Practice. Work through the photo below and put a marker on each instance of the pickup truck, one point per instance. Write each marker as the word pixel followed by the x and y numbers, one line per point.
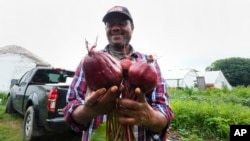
pixel 40 96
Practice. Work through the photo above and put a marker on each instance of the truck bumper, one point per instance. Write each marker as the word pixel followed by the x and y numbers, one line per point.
pixel 58 124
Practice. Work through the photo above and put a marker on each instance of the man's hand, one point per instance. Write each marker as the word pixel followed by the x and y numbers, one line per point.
pixel 96 103
pixel 139 112
pixel 101 101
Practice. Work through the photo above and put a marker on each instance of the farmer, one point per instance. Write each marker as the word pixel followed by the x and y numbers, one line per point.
pixel 86 109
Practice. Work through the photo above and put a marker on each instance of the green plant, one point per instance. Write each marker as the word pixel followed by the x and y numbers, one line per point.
pixel 3 97
pixel 209 114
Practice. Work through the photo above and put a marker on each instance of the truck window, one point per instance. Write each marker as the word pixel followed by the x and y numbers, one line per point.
pixel 52 76
pixel 24 78
pixel 41 77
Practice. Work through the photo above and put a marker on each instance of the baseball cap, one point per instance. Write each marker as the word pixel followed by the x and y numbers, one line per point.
pixel 117 10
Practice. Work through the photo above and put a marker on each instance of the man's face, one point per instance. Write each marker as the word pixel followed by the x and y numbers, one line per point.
pixel 119 31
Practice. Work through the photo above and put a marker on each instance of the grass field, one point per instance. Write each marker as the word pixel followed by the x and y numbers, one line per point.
pixel 10 126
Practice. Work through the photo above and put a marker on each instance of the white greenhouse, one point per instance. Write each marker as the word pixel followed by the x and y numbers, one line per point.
pixel 193 79
pixel 215 79
pixel 14 62
pixel 181 78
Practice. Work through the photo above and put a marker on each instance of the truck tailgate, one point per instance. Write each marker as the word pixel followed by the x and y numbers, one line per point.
pixel 59 104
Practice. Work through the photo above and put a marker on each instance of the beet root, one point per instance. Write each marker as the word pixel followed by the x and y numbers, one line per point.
pixel 143 75
pixel 101 70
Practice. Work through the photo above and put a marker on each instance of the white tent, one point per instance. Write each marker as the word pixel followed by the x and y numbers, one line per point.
pixel 215 79
pixel 14 62
pixel 181 78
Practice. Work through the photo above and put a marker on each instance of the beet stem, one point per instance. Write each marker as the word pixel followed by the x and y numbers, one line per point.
pixel 90 50
pixel 117 133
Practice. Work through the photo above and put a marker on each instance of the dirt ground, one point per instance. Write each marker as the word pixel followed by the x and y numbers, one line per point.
pixel 174 136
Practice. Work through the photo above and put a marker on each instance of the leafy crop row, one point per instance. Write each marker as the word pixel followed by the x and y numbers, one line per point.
pixel 209 113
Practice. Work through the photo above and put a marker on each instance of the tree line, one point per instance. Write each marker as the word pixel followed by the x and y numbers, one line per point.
pixel 235 69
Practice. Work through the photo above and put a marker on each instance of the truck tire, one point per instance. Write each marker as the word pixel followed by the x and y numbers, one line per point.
pixel 29 125
pixel 9 107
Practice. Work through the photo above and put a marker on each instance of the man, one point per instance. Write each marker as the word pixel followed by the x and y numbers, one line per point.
pixel 86 109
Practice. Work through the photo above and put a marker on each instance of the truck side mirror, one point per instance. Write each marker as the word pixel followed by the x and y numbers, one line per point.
pixel 14 82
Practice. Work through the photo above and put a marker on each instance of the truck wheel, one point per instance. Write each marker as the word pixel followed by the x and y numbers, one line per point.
pixel 29 125
pixel 9 107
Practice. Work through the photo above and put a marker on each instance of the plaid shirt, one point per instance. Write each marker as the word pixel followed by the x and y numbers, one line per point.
pixel 158 100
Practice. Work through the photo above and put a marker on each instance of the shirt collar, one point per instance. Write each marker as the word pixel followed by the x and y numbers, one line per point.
pixel 120 55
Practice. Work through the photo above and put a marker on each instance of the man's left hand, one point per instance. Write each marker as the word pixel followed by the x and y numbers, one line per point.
pixel 135 112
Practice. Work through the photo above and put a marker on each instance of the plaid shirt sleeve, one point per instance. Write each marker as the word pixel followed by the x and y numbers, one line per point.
pixel 75 97
pixel 160 98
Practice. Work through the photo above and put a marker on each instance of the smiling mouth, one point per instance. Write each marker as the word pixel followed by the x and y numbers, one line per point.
pixel 116 37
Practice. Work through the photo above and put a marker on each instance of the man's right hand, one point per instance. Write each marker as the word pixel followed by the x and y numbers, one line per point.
pixel 96 103
pixel 101 101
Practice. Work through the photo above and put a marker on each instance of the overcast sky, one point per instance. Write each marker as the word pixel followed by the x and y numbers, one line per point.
pixel 181 33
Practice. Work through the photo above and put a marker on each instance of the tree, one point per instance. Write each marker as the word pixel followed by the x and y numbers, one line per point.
pixel 235 69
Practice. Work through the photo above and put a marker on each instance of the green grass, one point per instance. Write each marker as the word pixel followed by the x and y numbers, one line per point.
pixel 10 124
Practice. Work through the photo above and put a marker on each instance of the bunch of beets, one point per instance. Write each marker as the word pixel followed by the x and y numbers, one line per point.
pixel 101 70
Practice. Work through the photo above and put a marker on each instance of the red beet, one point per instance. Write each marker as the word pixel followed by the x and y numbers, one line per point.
pixel 143 75
pixel 126 63
pixel 101 70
